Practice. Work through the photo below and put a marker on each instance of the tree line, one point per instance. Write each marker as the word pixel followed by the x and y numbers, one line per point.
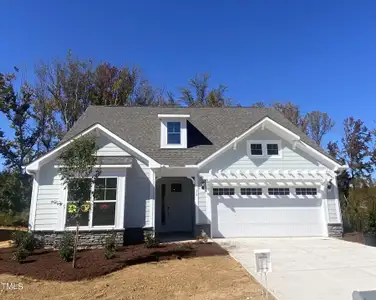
pixel 40 113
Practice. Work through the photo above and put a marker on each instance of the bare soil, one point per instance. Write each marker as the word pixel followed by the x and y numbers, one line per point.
pixel 356 237
pixel 182 271
pixel 47 264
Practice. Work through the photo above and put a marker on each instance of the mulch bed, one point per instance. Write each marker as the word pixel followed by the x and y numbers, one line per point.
pixel 6 232
pixel 356 237
pixel 47 264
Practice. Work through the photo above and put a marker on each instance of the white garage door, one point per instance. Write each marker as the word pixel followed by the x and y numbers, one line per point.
pixel 267 215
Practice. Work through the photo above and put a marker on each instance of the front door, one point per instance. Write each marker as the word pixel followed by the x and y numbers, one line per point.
pixel 176 206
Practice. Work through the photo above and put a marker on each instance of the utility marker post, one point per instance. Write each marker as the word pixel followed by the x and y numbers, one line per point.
pixel 263 266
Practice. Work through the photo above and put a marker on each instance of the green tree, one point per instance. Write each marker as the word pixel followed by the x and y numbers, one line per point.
pixel 78 173
pixel 10 193
pixel 18 148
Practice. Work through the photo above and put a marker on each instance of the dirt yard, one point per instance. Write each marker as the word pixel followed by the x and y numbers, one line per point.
pixel 208 274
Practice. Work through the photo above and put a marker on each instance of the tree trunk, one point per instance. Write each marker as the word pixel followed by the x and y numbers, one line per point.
pixel 75 245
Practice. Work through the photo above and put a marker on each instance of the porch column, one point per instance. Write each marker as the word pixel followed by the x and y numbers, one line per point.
pixel 151 202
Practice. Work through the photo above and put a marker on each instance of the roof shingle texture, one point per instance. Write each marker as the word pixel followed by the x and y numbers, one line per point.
pixel 209 129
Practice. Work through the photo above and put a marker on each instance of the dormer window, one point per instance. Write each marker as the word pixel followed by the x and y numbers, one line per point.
pixel 173 133
pixel 173 130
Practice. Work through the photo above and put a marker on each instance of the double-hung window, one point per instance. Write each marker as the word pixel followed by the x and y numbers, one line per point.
pixel 256 149
pixel 104 202
pixel 264 149
pixel 72 198
pixel 173 133
pixel 99 208
pixel 272 149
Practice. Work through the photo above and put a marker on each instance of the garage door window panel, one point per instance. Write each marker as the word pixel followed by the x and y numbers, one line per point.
pixel 306 191
pixel 223 191
pixel 251 191
pixel 279 191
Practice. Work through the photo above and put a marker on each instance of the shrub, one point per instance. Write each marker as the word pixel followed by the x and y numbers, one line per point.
pixel 16 220
pixel 24 239
pixel 150 240
pixel 202 237
pixel 110 246
pixel 66 248
pixel 20 255
pixel 371 224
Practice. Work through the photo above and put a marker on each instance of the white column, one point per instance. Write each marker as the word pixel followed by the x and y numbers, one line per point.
pixel 196 191
pixel 338 206
pixel 122 182
pixel 152 199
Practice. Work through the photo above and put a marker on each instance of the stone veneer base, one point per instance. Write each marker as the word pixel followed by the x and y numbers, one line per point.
pixel 86 239
pixel 335 230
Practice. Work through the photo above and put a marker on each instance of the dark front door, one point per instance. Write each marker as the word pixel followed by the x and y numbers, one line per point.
pixel 176 200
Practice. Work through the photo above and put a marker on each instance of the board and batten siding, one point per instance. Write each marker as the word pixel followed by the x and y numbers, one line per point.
pixel 47 198
pixel 239 159
pixel 203 213
pixel 138 203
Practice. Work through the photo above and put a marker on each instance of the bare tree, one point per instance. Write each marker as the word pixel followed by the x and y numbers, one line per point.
pixel 68 85
pixel 318 124
pixel 199 94
pixel 292 112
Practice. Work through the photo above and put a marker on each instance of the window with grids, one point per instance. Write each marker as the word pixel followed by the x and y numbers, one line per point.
pixel 251 191
pixel 173 133
pixel 223 191
pixel 256 149
pixel 72 209
pixel 279 191
pixel 306 191
pixel 104 202
pixel 99 210
pixel 272 149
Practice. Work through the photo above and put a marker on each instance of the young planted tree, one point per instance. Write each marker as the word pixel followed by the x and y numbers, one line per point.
pixel 78 172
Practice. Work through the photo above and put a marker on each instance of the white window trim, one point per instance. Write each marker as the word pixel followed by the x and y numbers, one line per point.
pixel 183 133
pixel 90 226
pixel 264 144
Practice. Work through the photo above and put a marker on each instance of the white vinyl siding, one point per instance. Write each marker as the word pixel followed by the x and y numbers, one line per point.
pixel 239 158
pixel 135 205
pixel 107 148
pixel 48 199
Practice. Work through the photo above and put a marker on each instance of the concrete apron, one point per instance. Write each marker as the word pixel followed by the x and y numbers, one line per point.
pixel 309 268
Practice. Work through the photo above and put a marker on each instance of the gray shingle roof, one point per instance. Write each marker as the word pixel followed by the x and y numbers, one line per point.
pixel 108 160
pixel 209 129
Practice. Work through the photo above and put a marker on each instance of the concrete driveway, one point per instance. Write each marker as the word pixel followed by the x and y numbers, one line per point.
pixel 310 268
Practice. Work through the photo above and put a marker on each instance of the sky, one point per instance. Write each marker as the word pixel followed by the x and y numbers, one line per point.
pixel 318 54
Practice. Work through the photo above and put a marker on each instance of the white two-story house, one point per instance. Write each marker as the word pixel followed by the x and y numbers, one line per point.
pixel 232 172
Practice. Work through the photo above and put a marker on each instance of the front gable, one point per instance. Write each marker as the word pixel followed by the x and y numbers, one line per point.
pixel 268 131
pixel 239 157
pixel 109 145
